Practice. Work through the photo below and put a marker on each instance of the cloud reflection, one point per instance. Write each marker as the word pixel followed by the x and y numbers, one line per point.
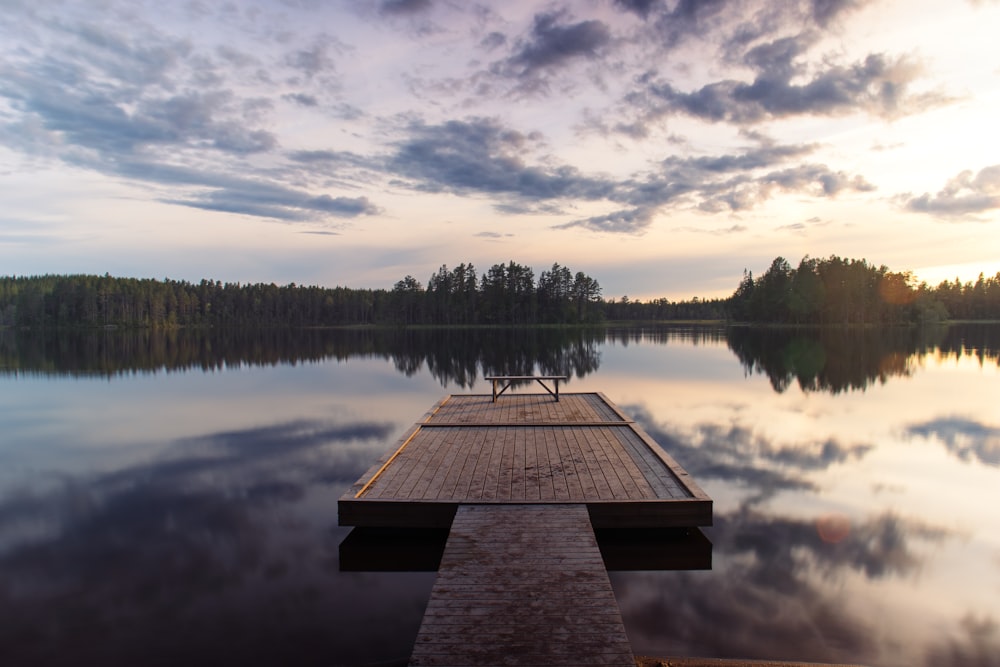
pixel 966 438
pixel 735 454
pixel 977 643
pixel 774 592
pixel 220 552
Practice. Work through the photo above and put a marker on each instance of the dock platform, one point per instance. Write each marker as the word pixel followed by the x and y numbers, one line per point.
pixel 526 449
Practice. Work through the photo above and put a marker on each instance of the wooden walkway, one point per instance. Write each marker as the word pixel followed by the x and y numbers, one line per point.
pixel 522 585
pixel 527 448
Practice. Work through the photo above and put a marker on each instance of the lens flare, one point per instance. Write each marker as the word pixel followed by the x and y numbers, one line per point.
pixel 833 527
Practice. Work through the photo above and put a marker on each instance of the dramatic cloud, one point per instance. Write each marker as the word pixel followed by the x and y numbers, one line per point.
pixel 722 183
pixel 640 7
pixel 732 25
pixel 147 107
pixel 962 197
pixel 552 45
pixel 876 85
pixel 480 155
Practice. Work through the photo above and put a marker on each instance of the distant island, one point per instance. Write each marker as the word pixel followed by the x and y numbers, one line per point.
pixel 830 291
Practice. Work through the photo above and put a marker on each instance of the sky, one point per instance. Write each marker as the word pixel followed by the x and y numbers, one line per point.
pixel 661 147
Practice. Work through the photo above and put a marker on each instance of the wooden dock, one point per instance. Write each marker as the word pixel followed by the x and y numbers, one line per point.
pixel 523 449
pixel 522 482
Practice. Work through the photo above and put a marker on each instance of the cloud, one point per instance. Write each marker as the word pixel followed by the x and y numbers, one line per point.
pixel 553 45
pixel 640 7
pixel 404 7
pixel 965 438
pixel 257 199
pixel 483 156
pixel 345 207
pixel 877 85
pixel 249 196
pixel 773 41
pixel 302 99
pixel 626 221
pixel 143 105
pixel 962 197
pixel 732 25
pixel 480 155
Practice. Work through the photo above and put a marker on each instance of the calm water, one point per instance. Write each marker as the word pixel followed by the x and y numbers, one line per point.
pixel 172 499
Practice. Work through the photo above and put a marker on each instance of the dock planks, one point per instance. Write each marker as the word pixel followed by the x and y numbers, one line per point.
pixel 521 449
pixel 522 585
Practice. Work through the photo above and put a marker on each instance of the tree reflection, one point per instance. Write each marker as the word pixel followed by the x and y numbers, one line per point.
pixel 844 359
pixel 823 359
pixel 452 355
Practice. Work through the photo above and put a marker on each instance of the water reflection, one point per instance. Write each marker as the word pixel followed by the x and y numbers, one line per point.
pixel 190 517
pixel 966 438
pixel 737 455
pixel 207 556
pixel 829 359
pixel 454 356
pixel 843 359
pixel 777 590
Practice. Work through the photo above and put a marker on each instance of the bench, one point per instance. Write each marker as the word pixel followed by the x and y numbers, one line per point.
pixel 540 379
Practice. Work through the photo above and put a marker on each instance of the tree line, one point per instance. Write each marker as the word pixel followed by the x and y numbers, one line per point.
pixel 818 291
pixel 847 291
pixel 505 294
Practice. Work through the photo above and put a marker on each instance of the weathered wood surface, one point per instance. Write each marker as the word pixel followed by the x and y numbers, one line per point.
pixel 522 585
pixel 527 448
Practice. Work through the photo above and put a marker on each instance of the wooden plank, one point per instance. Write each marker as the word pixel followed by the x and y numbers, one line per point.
pixel 455 484
pixel 477 483
pixel 522 585
pixel 660 478
pixel 557 466
pixel 519 464
pixel 621 463
pixel 600 489
pixel 491 485
pixel 429 479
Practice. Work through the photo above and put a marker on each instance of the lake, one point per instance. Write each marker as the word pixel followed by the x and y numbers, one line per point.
pixel 170 498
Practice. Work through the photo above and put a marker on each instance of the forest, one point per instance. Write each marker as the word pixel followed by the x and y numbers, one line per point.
pixel 818 291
